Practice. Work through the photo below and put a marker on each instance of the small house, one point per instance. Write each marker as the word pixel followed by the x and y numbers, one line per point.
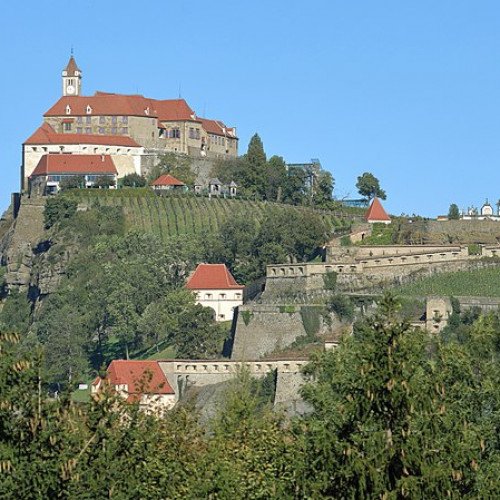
pixel 167 182
pixel 215 287
pixel 52 169
pixel 142 382
pixel 376 213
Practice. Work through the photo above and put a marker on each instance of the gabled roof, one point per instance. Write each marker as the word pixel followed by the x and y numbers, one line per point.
pixel 104 103
pixel 71 67
pixel 75 164
pixel 212 277
pixel 167 180
pixel 376 212
pixel 45 134
pixel 217 127
pixel 141 377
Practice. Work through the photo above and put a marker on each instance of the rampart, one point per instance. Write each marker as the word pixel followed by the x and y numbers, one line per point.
pixel 368 268
pixel 184 374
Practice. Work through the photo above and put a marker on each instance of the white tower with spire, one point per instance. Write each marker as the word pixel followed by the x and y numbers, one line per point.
pixel 71 78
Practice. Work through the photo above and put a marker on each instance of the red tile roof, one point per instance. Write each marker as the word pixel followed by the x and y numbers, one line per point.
pixel 376 212
pixel 75 164
pixel 45 134
pixel 217 127
pixel 141 377
pixel 212 277
pixel 71 67
pixel 167 180
pixel 103 103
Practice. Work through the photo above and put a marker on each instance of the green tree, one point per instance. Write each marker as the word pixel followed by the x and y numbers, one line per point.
pixel 383 423
pixel 133 180
pixel 453 212
pixel 177 165
pixel 58 209
pixel 323 189
pixel 104 181
pixel 276 177
pixel 369 186
pixel 72 182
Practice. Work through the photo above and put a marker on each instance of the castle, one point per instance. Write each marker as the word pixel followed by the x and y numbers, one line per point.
pixel 132 130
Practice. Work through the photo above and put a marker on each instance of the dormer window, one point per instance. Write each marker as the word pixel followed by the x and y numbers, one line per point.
pixel 89 109
pixel 68 109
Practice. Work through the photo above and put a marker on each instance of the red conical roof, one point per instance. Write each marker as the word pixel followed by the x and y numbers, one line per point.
pixel 71 67
pixel 376 212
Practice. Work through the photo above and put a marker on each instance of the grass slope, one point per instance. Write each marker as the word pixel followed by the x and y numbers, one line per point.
pixel 480 282
pixel 177 215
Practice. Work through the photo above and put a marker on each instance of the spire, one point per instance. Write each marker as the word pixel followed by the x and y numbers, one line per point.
pixel 71 67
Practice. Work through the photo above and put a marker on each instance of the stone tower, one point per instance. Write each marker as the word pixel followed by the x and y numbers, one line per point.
pixel 71 78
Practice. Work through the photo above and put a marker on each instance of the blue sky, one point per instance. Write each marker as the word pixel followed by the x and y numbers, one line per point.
pixel 409 90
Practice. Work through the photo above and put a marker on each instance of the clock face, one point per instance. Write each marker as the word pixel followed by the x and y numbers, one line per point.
pixel 70 89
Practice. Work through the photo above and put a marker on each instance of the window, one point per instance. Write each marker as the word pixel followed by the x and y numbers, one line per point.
pixel 102 120
pixel 89 109
pixel 238 295
pixel 197 133
pixel 33 148
pixel 101 130
pixel 125 119
pixel 68 109
pixel 175 133
pixel 124 130
pixel 191 132
pixel 114 130
pixel 67 127
pixel 222 296
pixel 79 120
pixel 88 120
pixel 79 130
pixel 88 130
pixel 208 296
pixel 114 120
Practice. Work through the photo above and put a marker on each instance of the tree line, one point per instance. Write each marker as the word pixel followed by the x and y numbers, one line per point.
pixel 394 413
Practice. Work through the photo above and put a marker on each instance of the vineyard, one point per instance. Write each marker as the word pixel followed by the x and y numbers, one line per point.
pixel 480 282
pixel 176 215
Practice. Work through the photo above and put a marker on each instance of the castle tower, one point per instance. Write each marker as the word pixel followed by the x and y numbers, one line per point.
pixel 71 78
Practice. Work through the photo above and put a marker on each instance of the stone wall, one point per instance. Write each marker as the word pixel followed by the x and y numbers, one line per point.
pixel 183 375
pixel 261 329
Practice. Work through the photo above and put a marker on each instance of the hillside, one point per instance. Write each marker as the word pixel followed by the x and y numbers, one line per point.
pixel 480 282
pixel 177 215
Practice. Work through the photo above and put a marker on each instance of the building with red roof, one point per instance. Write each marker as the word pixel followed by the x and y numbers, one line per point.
pixel 215 287
pixel 160 125
pixel 53 168
pixel 138 381
pixel 376 213
pixel 168 182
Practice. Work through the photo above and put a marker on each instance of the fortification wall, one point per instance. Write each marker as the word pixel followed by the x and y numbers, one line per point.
pixel 261 329
pixel 462 231
pixel 485 303
pixel 185 374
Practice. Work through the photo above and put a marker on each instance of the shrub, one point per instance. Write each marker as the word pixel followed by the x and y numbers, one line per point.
pixel 104 181
pixel 247 316
pixel 330 280
pixel 133 180
pixel 72 182
pixel 311 319
pixel 58 209
pixel 342 306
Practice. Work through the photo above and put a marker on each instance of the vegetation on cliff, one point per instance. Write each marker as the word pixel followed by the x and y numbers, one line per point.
pixel 395 413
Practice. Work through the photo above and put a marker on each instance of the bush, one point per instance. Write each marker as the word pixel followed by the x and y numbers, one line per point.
pixel 133 180
pixel 58 209
pixel 330 280
pixel 342 306
pixel 72 182
pixel 104 181
pixel 311 320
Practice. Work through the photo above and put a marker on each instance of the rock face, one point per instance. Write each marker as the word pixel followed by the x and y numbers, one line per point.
pixel 25 233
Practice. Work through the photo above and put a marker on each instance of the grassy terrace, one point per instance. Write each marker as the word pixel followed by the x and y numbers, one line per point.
pixel 480 282
pixel 175 215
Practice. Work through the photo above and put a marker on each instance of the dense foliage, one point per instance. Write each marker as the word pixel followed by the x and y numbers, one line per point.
pixel 369 186
pixel 395 413
pixel 262 179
